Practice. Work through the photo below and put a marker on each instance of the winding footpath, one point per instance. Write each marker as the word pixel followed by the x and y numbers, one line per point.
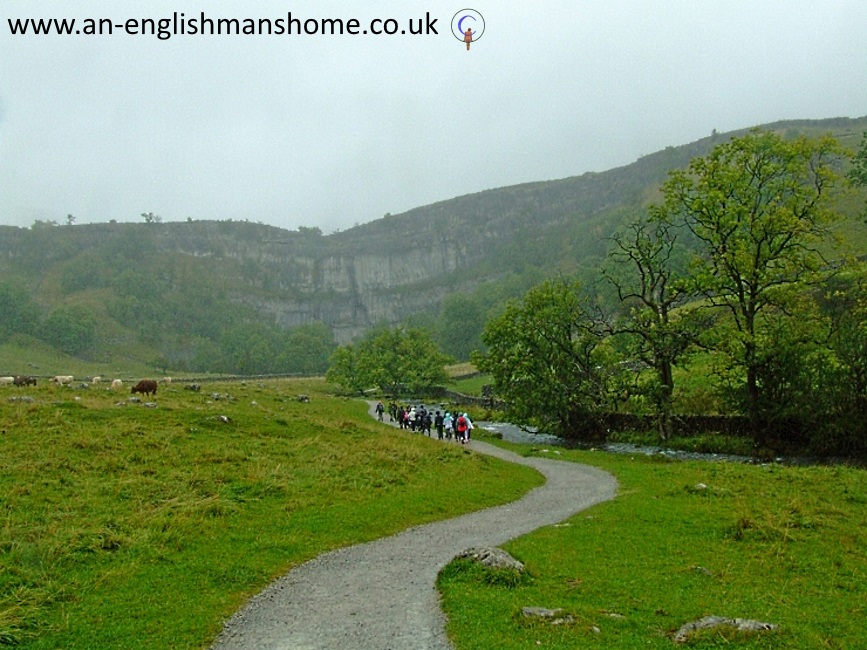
pixel 382 595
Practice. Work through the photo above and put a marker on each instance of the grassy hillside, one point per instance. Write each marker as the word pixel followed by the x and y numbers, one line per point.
pixel 24 355
pixel 165 294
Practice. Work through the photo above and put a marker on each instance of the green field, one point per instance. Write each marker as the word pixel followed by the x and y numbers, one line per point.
pixel 24 355
pixel 126 526
pixel 683 540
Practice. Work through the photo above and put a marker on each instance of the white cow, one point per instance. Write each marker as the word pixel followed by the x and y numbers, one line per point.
pixel 63 380
pixel 6 381
pixel 115 384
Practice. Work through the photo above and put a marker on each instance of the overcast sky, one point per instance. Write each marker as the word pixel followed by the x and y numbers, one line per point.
pixel 330 131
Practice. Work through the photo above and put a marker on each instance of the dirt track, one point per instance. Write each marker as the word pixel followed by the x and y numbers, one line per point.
pixel 382 595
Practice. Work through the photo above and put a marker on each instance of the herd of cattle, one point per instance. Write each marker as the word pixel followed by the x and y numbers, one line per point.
pixel 145 386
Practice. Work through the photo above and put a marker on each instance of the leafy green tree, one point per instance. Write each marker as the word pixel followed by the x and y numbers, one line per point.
pixel 649 272
pixel 858 174
pixel 459 326
pixel 137 302
pixel 790 354
pixel 343 369
pixel 546 359
pixel 423 363
pixel 393 359
pixel 758 207
pixel 247 349
pixel 18 314
pixel 306 349
pixel 206 356
pixel 71 329
pixel 85 271
pixel 841 409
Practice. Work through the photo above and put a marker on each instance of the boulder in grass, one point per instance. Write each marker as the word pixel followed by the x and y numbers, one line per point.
pixel 708 622
pixel 493 557
pixel 552 616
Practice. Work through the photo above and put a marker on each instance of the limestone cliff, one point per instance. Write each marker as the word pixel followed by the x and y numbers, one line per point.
pixel 385 270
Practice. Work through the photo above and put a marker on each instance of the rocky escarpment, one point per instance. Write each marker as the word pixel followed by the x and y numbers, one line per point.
pixel 378 272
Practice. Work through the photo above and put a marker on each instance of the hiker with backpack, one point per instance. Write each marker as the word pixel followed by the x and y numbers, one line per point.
pixel 439 423
pixel 461 431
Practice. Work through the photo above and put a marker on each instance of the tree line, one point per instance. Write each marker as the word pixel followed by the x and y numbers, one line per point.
pixel 734 265
pixel 69 328
pixel 124 293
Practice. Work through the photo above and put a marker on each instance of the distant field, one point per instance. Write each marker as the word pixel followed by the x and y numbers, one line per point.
pixel 470 385
pixel 461 370
pixel 28 356
pixel 126 526
pixel 465 378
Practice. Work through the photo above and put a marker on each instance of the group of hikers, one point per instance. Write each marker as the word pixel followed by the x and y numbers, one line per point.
pixel 449 426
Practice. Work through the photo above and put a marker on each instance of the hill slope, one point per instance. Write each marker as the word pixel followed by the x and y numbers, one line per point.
pixel 164 284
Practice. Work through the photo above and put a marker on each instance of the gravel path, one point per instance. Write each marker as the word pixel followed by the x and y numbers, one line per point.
pixel 382 595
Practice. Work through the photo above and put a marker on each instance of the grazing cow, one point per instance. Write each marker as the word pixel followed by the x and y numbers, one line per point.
pixel 63 380
pixel 95 380
pixel 7 381
pixel 116 383
pixel 167 380
pixel 146 387
pixel 24 380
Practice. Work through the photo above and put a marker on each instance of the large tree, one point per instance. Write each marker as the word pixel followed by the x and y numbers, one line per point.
pixel 343 369
pixel 647 267
pixel 392 359
pixel 71 329
pixel 546 362
pixel 306 349
pixel 758 206
pixel 459 325
pixel 842 402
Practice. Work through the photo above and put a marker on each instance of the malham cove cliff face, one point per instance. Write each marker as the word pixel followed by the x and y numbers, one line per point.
pixel 377 273
pixel 397 266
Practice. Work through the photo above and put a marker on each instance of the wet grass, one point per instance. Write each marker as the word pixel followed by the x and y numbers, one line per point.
pixel 682 540
pixel 125 526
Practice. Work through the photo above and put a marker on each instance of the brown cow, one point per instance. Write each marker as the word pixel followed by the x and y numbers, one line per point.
pixel 145 386
pixel 24 380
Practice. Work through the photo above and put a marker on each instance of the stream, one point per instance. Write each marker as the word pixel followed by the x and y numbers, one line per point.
pixel 516 434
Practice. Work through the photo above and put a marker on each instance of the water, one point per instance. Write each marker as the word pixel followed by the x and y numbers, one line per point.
pixel 516 434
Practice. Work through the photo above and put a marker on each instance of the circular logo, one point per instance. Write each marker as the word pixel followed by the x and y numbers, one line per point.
pixel 468 19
